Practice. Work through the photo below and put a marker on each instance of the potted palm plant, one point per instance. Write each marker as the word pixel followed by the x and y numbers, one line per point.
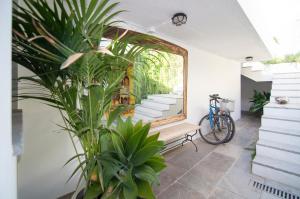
pixel 61 44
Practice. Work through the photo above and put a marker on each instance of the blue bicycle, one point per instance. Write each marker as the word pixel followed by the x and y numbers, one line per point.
pixel 217 126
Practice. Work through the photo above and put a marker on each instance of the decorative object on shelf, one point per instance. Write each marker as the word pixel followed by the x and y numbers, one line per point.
pixel 282 100
pixel 179 19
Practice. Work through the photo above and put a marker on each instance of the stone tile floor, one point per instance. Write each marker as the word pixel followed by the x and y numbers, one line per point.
pixel 216 172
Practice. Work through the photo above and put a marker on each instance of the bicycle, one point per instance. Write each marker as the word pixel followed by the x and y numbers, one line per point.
pixel 217 127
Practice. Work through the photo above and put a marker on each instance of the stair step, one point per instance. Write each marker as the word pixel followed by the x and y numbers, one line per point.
pixel 288 122
pixel 150 114
pixel 162 99
pixel 157 113
pixel 283 92
pixel 286 80
pixel 285 172
pixel 292 99
pixel 280 130
pixel 284 110
pixel 287 75
pixel 152 103
pixel 286 137
pixel 282 151
pixel 287 86
pixel 155 108
pixel 283 106
pixel 172 96
pixel 145 118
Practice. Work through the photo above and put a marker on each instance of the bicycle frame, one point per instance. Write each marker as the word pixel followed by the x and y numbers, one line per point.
pixel 213 110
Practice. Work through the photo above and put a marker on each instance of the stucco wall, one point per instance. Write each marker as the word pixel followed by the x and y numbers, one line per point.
pixel 247 90
pixel 40 169
pixel 7 160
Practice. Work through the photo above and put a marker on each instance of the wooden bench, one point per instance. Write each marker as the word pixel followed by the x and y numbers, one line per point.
pixel 182 132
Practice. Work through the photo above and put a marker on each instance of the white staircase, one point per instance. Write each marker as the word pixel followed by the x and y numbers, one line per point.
pixel 278 147
pixel 157 107
pixel 267 72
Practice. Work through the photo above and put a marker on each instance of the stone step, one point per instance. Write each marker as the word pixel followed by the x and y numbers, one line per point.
pixel 283 92
pixel 162 99
pixel 287 86
pixel 152 103
pixel 150 114
pixel 172 96
pixel 156 108
pixel 291 122
pixel 155 113
pixel 287 75
pixel 292 99
pixel 284 136
pixel 283 152
pixel 144 118
pixel 286 80
pixel 284 110
pixel 280 171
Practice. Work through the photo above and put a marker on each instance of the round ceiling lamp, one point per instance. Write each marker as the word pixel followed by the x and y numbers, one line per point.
pixel 249 58
pixel 255 65
pixel 179 18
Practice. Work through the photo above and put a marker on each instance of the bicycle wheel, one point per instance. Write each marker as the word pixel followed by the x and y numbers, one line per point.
pixel 231 123
pixel 216 131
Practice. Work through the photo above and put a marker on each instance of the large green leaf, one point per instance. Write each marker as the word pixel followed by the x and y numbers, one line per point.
pixel 93 191
pixel 135 140
pixel 145 190
pixel 147 152
pixel 157 163
pixel 146 173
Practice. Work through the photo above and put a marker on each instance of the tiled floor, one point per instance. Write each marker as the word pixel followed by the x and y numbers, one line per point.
pixel 216 172
pixel 222 171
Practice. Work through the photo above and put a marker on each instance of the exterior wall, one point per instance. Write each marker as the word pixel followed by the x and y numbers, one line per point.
pixel 247 89
pixel 7 160
pixel 41 172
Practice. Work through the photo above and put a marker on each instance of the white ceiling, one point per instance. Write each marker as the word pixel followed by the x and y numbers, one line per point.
pixel 217 26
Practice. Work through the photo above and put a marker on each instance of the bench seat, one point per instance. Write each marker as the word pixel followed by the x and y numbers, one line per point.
pixel 183 131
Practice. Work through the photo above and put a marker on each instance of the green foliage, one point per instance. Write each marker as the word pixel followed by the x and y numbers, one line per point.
pixel 259 100
pixel 286 59
pixel 156 72
pixel 139 160
pixel 61 45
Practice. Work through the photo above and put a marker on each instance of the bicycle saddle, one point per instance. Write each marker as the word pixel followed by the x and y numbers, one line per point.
pixel 215 96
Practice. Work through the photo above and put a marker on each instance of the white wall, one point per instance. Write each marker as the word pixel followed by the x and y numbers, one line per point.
pixel 7 160
pixel 40 169
pixel 210 74
pixel 248 86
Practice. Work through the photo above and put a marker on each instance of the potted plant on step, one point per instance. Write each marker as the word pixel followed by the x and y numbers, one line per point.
pixel 259 100
pixel 62 45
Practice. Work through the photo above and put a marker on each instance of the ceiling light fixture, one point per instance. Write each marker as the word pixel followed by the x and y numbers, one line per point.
pixel 255 65
pixel 249 58
pixel 179 18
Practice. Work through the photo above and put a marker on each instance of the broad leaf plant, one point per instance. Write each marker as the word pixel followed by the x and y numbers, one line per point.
pixel 62 44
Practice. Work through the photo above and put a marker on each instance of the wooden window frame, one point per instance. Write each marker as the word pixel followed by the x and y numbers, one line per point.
pixel 172 48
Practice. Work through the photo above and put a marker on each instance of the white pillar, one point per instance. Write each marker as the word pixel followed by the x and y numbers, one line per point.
pixel 8 172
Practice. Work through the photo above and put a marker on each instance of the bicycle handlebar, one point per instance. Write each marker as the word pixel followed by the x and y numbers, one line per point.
pixel 215 96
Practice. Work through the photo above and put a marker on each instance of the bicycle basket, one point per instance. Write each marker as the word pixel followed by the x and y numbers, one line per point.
pixel 227 105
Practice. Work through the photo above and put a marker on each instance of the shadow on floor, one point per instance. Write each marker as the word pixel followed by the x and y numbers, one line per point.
pixel 222 171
